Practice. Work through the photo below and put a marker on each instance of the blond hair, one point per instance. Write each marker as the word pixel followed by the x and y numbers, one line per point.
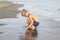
pixel 24 12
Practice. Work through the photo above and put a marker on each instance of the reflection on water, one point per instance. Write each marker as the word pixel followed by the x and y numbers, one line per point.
pixel 30 35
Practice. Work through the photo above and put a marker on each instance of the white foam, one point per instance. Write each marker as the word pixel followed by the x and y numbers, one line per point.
pixel 56 19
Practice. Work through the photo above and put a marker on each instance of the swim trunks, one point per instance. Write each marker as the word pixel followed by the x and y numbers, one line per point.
pixel 36 23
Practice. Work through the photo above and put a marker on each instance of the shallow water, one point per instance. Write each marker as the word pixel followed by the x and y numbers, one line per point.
pixel 14 30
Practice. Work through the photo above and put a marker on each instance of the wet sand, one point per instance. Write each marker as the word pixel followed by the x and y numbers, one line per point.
pixel 10 11
pixel 2 24
pixel 4 4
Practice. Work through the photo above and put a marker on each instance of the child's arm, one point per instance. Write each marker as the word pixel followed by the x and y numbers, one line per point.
pixel 27 22
pixel 31 22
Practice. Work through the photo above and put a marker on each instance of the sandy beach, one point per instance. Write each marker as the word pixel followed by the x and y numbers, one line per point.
pixel 9 10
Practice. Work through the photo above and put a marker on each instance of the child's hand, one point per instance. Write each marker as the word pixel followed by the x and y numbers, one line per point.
pixel 25 27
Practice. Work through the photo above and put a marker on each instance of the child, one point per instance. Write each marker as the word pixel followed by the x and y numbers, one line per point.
pixel 32 19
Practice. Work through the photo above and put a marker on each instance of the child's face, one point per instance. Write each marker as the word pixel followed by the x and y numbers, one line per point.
pixel 24 13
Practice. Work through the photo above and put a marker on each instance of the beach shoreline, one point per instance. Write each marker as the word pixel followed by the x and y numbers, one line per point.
pixel 10 10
